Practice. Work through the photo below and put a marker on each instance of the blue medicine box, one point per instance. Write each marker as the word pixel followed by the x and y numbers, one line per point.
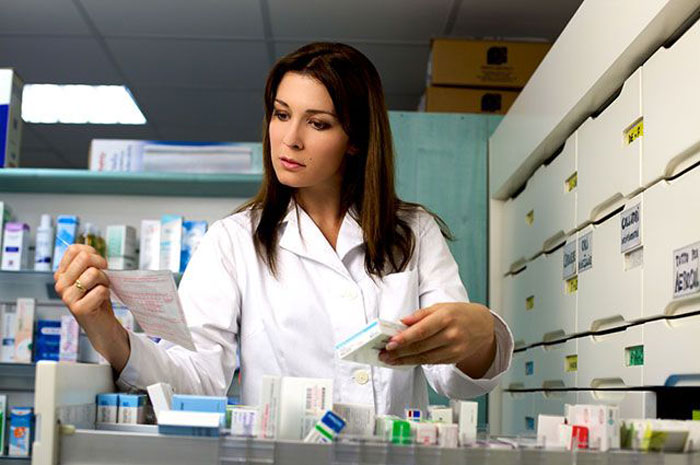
pixel 199 403
pixel 48 340
pixel 132 400
pixel 108 400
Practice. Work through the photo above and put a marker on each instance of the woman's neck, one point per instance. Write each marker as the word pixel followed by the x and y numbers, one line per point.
pixel 323 206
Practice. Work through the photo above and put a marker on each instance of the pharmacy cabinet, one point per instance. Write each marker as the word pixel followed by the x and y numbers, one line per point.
pixel 557 364
pixel 610 153
pixel 672 246
pixel 515 377
pixel 518 307
pixel 610 271
pixel 553 402
pixel 520 222
pixel 556 197
pixel 671 97
pixel 554 301
pixel 519 413
pixel 632 404
pixel 613 360
pixel 671 347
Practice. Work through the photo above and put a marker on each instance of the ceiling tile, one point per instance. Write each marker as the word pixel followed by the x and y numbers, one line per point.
pixel 59 60
pixel 198 107
pixel 505 18
pixel 193 63
pixel 183 18
pixel 401 67
pixel 41 17
pixel 394 20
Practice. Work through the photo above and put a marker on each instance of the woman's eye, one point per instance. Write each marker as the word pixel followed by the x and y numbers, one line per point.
pixel 280 115
pixel 318 124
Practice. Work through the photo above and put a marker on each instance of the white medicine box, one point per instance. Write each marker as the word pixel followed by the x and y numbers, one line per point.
pixel 11 86
pixel 609 153
pixel 610 284
pixel 672 246
pixel 671 348
pixel 671 96
pixel 612 360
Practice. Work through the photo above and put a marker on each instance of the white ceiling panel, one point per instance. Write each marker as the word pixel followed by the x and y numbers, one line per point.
pixel 58 60
pixel 393 20
pixel 41 17
pixel 506 18
pixel 182 18
pixel 198 107
pixel 192 63
pixel 401 67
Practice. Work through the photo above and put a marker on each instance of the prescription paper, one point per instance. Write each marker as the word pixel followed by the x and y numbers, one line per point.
pixel 151 297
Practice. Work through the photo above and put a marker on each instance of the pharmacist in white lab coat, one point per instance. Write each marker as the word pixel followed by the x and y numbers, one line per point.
pixel 324 248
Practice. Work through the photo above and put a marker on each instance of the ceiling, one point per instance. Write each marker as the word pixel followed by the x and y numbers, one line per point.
pixel 197 68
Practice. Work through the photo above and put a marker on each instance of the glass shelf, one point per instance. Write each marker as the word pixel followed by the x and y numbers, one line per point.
pixel 17 376
pixel 59 181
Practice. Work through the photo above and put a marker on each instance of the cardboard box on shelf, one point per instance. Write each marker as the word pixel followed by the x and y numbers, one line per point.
pixel 458 62
pixel 465 100
pixel 10 118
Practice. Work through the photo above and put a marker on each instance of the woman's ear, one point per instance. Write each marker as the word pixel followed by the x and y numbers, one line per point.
pixel 352 150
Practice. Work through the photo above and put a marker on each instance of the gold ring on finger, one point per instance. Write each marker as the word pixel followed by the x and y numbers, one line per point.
pixel 79 285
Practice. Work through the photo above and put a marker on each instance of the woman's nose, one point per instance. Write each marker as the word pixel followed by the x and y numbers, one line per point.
pixel 292 137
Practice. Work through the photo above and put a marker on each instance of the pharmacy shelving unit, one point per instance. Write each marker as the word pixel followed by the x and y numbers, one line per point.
pixel 66 435
pixel 594 233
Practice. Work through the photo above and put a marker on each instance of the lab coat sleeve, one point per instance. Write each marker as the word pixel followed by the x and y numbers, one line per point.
pixel 439 282
pixel 210 299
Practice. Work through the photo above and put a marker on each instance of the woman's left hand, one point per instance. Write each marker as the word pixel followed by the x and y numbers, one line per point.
pixel 456 332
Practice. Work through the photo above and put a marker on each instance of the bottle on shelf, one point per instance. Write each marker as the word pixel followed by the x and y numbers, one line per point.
pixel 44 244
pixel 91 236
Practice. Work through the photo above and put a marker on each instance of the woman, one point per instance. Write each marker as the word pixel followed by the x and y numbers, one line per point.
pixel 325 247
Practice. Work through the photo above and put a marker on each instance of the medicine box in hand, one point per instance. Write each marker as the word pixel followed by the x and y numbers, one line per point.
pixel 365 345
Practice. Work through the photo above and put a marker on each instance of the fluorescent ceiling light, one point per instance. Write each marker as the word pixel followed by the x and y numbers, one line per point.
pixel 79 104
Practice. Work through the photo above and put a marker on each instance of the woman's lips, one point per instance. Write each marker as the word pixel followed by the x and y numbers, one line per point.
pixel 290 164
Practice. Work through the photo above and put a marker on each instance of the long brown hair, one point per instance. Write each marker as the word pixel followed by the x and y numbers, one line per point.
pixel 368 180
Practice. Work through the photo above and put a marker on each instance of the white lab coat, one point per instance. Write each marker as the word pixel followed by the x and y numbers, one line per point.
pixel 289 325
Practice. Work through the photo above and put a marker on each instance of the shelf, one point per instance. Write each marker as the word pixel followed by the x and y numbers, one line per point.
pixel 17 376
pixel 58 181
pixel 9 460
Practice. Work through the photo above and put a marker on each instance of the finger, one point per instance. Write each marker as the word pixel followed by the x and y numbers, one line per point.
pixel 433 342
pixel 425 328
pixel 82 261
pixel 92 301
pixel 444 354
pixel 418 315
pixel 90 278
pixel 70 254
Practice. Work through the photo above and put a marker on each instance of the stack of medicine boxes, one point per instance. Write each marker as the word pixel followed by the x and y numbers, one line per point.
pixel 603 238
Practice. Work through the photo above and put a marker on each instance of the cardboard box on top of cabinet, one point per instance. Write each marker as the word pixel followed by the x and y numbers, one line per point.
pixel 463 100
pixel 484 63
pixel 11 86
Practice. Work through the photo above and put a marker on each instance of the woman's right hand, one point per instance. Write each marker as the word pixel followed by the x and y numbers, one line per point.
pixel 84 288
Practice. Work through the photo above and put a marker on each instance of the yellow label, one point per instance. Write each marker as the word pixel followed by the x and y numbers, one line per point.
pixel 634 132
pixel 572 285
pixel 530 303
pixel 572 182
pixel 530 217
pixel 571 363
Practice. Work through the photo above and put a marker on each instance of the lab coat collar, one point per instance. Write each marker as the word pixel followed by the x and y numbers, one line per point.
pixel 300 235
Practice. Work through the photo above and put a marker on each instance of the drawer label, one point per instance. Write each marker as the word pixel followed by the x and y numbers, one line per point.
pixel 571 182
pixel 569 260
pixel 572 285
pixel 585 252
pixel 529 368
pixel 685 270
pixel 634 356
pixel 630 222
pixel 571 363
pixel 634 132
pixel 530 217
pixel 530 303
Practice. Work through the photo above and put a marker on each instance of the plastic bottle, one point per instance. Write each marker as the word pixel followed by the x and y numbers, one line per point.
pixel 91 237
pixel 44 244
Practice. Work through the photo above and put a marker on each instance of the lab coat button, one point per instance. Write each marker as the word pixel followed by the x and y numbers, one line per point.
pixel 361 376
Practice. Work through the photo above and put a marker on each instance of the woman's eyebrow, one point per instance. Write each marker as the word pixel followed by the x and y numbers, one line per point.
pixel 309 111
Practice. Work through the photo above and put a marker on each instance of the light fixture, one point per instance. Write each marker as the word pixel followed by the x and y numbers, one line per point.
pixel 79 104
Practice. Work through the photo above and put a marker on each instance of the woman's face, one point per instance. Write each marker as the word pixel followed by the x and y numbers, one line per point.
pixel 307 142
